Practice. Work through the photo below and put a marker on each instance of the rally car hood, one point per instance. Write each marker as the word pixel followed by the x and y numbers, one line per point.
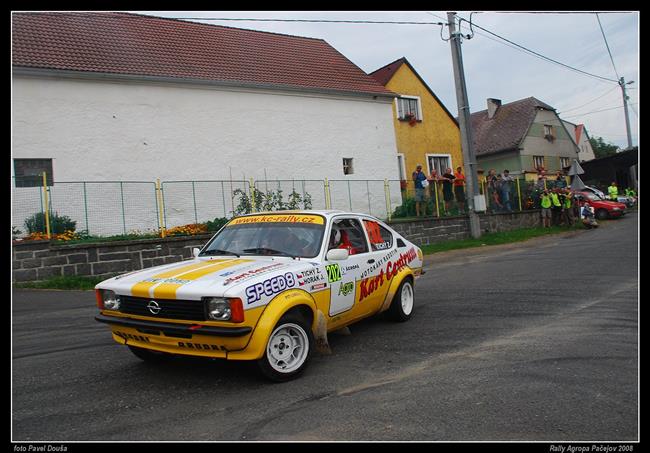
pixel 215 276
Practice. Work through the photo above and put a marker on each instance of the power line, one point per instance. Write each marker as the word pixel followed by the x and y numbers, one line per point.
pixel 587 103
pixel 540 55
pixel 562 12
pixel 607 45
pixel 312 21
pixel 596 111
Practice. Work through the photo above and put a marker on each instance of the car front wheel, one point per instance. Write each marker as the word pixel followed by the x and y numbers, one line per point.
pixel 402 306
pixel 602 214
pixel 288 349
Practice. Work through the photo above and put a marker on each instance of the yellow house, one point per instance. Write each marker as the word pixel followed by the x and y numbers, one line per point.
pixel 425 131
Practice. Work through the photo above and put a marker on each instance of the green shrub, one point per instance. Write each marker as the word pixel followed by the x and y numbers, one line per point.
pixel 216 224
pixel 58 224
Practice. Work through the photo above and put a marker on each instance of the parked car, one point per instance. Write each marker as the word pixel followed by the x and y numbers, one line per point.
pixel 627 201
pixel 265 288
pixel 604 209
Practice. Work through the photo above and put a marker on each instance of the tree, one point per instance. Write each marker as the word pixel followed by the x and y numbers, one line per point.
pixel 602 149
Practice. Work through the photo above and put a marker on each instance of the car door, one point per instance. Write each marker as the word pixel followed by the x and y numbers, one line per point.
pixel 342 276
pixel 375 281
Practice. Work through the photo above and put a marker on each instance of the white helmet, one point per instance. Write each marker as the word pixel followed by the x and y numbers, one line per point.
pixel 335 237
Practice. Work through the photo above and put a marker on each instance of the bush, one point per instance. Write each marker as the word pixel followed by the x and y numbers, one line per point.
pixel 216 224
pixel 58 224
pixel 270 201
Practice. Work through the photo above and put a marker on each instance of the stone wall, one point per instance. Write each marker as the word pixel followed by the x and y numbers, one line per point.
pixel 40 260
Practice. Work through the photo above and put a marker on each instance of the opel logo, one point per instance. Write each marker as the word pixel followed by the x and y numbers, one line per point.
pixel 153 307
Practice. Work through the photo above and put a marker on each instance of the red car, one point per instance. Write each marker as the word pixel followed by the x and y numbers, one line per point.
pixel 604 209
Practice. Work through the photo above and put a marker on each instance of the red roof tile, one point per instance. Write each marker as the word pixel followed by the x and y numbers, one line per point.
pixel 133 44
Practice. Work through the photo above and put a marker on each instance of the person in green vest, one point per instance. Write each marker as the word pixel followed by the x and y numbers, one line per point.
pixel 545 203
pixel 612 191
pixel 567 208
pixel 556 208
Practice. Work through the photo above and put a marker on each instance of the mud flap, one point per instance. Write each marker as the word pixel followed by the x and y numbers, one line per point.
pixel 320 335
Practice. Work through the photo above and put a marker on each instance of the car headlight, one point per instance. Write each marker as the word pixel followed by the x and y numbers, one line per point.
pixel 220 309
pixel 109 300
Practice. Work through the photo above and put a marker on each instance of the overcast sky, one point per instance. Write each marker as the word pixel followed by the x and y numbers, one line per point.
pixel 492 69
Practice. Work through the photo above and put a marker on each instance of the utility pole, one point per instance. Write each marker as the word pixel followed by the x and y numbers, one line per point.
pixel 464 121
pixel 622 84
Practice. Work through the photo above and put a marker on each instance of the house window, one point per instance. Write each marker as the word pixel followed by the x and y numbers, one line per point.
pixel 538 162
pixel 408 108
pixel 565 162
pixel 440 163
pixel 549 132
pixel 401 167
pixel 29 172
pixel 348 169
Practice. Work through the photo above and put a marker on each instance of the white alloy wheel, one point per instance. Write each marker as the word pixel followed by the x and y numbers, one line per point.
pixel 406 298
pixel 288 348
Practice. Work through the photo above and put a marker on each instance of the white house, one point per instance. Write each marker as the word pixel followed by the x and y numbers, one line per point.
pixel 581 138
pixel 127 97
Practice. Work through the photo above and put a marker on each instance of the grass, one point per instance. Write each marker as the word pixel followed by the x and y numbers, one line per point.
pixel 505 237
pixel 74 282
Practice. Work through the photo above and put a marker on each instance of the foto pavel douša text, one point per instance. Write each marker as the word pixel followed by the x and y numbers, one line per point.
pixel 41 447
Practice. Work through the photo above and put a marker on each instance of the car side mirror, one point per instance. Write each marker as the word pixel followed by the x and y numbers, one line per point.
pixel 337 255
pixel 196 251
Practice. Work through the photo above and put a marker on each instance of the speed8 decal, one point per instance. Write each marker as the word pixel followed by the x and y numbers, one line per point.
pixel 269 287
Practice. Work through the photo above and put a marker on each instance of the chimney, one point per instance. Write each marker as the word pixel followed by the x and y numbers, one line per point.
pixel 492 107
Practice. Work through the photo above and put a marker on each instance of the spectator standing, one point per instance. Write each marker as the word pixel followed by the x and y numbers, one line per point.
pixel 434 177
pixel 418 177
pixel 567 208
pixel 612 191
pixel 545 203
pixel 556 208
pixel 447 188
pixel 493 195
pixel 459 189
pixel 559 180
pixel 506 190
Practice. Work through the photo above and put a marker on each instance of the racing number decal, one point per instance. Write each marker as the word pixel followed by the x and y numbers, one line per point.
pixel 333 272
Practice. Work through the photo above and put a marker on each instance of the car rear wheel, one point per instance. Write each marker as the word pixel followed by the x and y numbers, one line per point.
pixel 148 355
pixel 602 214
pixel 288 349
pixel 402 306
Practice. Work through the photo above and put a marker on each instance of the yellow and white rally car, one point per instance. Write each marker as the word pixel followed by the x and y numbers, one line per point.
pixel 267 287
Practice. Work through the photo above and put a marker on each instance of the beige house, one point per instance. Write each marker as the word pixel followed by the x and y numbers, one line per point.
pixel 581 138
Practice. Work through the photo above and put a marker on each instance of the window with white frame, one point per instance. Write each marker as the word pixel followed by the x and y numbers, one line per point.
pixel 440 162
pixel 348 169
pixel 549 132
pixel 538 162
pixel 565 162
pixel 408 107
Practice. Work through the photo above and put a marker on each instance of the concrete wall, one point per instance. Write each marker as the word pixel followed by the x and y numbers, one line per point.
pixel 40 260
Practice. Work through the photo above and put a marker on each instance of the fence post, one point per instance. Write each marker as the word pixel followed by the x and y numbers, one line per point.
pixel 368 192
pixel 252 188
pixel 86 208
pixel 196 219
pixel 47 207
pixel 122 198
pixel 161 209
pixel 349 195
pixel 519 194
pixel 223 197
pixel 435 190
pixel 328 202
pixel 387 196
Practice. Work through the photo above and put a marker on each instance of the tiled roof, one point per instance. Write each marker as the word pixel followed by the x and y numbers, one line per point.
pixel 507 128
pixel 133 44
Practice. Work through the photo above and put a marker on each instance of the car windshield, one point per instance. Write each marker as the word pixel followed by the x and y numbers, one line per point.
pixel 592 196
pixel 293 235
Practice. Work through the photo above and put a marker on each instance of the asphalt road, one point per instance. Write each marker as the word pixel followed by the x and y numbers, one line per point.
pixel 535 341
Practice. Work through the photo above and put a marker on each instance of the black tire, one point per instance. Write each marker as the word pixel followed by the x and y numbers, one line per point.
pixel 398 311
pixel 291 331
pixel 602 214
pixel 149 356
